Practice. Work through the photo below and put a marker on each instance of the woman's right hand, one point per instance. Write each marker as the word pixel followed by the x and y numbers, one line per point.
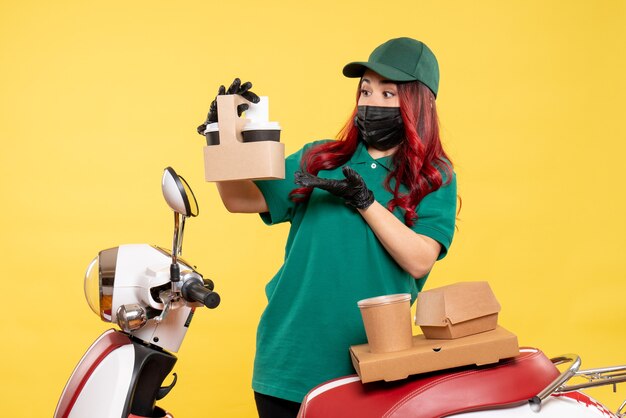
pixel 235 88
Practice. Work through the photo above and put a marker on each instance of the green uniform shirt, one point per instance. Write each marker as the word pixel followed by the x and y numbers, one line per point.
pixel 332 260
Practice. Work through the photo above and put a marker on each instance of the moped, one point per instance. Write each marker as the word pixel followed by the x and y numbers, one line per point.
pixel 151 294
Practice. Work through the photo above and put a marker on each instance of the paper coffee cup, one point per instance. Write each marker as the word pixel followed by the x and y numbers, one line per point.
pixel 387 321
pixel 212 134
pixel 261 131
pixel 259 112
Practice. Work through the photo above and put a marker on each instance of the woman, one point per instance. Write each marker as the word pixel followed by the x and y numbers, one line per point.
pixel 370 214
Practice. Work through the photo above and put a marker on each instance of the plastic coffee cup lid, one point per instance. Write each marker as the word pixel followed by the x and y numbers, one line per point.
pixel 384 300
pixel 261 126
pixel 211 127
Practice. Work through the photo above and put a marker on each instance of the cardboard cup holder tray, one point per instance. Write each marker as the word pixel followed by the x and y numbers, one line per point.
pixel 234 159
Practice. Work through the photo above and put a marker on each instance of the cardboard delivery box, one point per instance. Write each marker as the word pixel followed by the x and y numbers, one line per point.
pixel 457 310
pixel 428 355
pixel 228 156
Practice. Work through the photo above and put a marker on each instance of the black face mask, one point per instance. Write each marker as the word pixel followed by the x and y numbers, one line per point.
pixel 380 127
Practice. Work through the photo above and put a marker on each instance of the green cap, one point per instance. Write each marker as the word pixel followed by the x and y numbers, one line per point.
pixel 400 59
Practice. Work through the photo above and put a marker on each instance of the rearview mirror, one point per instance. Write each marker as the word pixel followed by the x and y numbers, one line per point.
pixel 178 194
pixel 181 199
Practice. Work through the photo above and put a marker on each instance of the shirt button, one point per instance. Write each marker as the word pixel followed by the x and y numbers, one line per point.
pixel 373 165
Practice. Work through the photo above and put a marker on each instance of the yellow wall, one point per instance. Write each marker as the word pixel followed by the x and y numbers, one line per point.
pixel 98 97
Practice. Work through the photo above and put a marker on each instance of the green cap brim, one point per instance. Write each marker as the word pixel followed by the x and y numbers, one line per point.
pixel 357 69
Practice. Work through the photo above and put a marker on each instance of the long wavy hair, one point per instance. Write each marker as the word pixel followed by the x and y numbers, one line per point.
pixel 420 163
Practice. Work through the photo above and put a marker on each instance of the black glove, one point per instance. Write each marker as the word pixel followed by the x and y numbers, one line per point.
pixel 352 189
pixel 235 88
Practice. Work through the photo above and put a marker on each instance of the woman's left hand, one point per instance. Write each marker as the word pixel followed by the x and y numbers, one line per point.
pixel 235 88
pixel 353 189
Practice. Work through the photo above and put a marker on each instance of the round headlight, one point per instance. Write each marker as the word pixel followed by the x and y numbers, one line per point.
pixel 99 282
pixel 92 285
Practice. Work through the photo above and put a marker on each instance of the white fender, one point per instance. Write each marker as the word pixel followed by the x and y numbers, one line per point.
pixel 104 394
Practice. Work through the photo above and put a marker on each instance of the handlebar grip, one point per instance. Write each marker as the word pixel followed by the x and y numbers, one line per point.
pixel 194 290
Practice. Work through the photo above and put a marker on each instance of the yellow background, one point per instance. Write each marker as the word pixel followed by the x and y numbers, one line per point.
pixel 98 97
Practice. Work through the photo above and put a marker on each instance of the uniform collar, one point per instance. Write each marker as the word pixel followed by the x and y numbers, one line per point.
pixel 361 156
